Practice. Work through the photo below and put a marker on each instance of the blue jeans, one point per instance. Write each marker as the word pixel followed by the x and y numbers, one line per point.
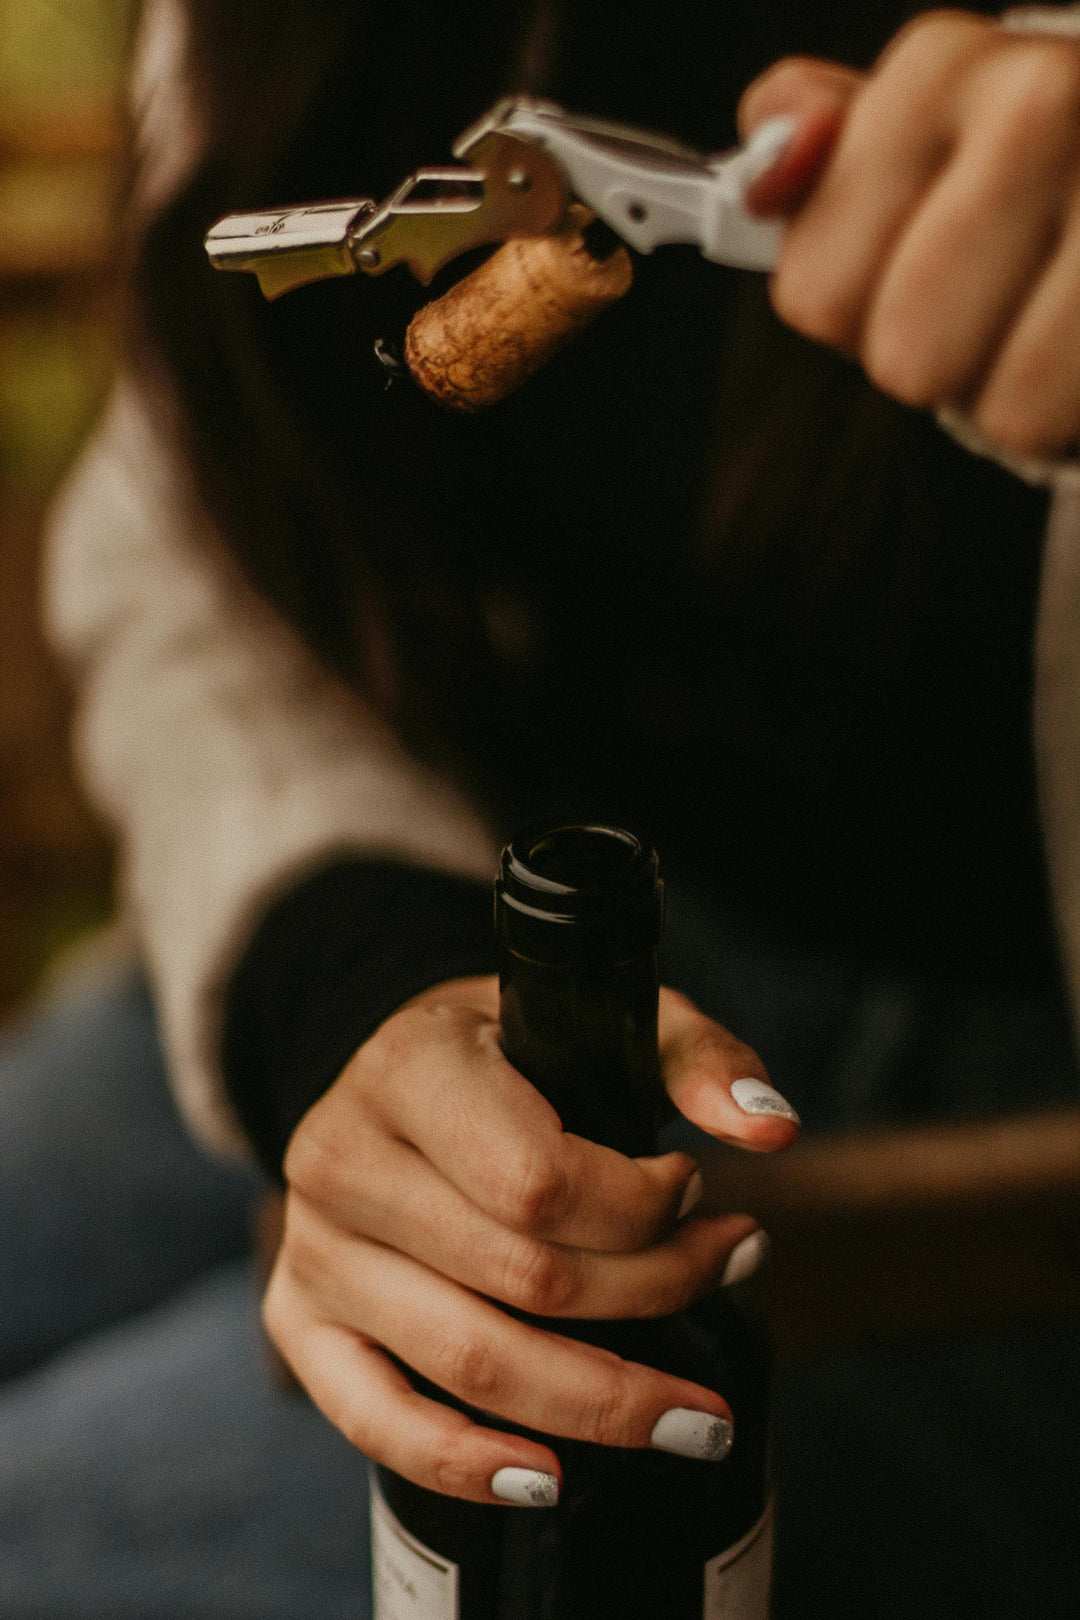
pixel 150 1471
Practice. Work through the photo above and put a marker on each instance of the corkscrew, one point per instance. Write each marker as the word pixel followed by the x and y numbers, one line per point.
pixel 523 165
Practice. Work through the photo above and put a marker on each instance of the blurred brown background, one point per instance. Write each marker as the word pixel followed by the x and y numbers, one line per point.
pixel 61 155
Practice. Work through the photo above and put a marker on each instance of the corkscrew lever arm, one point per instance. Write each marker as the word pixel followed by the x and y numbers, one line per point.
pixel 649 189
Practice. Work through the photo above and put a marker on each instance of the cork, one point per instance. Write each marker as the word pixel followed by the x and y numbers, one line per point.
pixel 496 328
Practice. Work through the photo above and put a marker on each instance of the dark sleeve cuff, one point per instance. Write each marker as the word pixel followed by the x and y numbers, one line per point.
pixel 330 961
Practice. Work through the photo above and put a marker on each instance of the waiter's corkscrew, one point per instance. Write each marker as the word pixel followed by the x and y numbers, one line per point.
pixel 527 162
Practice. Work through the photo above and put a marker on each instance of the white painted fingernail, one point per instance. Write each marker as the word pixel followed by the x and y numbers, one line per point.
pixel 758 1097
pixel 691 1194
pixel 702 1435
pixel 767 145
pixel 525 1487
pixel 745 1258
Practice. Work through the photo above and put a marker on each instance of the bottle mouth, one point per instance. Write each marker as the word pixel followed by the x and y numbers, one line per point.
pixel 566 860
pixel 580 873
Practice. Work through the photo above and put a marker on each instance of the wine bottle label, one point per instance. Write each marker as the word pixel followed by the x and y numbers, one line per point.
pixel 409 1581
pixel 738 1582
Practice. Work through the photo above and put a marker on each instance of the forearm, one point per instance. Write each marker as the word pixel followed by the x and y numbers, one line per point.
pixel 230 762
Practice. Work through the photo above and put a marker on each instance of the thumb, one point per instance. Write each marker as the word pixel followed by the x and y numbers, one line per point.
pixel 719 1084
pixel 816 96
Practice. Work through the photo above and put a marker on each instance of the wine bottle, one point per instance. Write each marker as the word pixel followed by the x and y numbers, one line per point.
pixel 636 1534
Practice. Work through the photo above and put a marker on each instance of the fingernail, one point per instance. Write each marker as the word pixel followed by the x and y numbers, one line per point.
pixel 525 1487
pixel 745 1258
pixel 691 1194
pixel 702 1435
pixel 758 1097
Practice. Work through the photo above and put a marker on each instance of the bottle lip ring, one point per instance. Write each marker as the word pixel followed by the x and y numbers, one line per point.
pixel 618 873
pixel 516 857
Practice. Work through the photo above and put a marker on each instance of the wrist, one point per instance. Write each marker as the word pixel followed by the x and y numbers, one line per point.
pixel 329 963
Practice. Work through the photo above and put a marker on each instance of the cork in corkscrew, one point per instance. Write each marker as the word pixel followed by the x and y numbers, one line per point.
pixel 496 328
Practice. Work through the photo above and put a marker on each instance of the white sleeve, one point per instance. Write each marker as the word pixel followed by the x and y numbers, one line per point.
pixel 1057 665
pixel 1064 21
pixel 229 761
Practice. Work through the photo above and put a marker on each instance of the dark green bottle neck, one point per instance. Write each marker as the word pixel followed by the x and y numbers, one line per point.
pixel 578 912
pixel 587 1042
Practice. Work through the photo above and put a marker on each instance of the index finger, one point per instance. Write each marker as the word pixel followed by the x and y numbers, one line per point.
pixel 446 1087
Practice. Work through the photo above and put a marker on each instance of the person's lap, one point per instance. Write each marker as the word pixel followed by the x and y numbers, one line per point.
pixel 106 1204
pixel 149 1469
pixel 154 1472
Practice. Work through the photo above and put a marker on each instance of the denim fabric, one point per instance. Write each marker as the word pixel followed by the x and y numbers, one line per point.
pixel 106 1204
pixel 149 1470
pixel 154 1473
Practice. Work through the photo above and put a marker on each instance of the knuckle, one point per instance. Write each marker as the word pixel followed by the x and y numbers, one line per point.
pixel 393 1043
pixel 736 1054
pixel 534 1193
pixel 411 1040
pixel 784 69
pixel 273 1312
pixel 430 1017
pixel 1040 87
pixel 680 1002
pixel 747 1060
pixel 805 302
pixel 898 366
pixel 933 35
pixel 469 1368
pixel 1017 430
pixel 707 1043
pixel 715 1049
pixel 609 1420
pixel 539 1279
pixel 356 1428
pixel 450 1473
pixel 781 79
pixel 942 23
pixel 302 1257
pixel 314 1158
